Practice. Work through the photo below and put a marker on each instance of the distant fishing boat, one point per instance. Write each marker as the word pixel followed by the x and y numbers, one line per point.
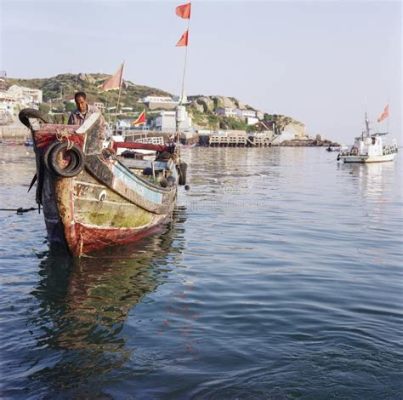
pixel 369 148
pixel 333 148
pixel 91 199
pixel 28 142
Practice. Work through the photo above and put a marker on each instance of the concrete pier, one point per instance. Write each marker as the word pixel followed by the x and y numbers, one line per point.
pixel 16 133
pixel 240 140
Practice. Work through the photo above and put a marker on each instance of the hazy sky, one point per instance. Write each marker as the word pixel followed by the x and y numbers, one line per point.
pixel 322 62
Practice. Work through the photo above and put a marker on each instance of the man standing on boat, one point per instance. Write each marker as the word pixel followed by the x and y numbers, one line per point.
pixel 83 111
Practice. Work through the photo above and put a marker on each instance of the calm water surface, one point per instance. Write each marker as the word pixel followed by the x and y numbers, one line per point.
pixel 280 278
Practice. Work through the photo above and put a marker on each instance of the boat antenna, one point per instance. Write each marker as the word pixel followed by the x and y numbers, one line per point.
pixel 366 124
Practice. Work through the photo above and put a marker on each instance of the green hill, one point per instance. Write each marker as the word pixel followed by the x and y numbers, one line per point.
pixel 58 91
pixel 61 88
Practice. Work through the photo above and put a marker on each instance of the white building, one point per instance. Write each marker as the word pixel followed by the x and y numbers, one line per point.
pixel 100 106
pixel 248 113
pixel 251 120
pixel 228 112
pixel 26 95
pixel 236 113
pixel 159 102
pixel 166 120
pixel 8 105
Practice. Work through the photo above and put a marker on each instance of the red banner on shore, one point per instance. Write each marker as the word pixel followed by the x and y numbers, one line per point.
pixel 141 119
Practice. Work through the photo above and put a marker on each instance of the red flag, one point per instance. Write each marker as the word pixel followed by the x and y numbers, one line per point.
pixel 141 119
pixel 115 81
pixel 183 11
pixel 183 41
pixel 385 113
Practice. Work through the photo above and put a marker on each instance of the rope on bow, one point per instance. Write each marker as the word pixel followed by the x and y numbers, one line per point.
pixel 63 136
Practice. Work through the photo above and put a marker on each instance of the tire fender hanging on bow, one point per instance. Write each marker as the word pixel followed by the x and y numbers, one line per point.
pixel 64 159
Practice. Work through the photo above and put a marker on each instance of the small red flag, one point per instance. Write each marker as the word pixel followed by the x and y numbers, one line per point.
pixel 385 114
pixel 183 11
pixel 183 41
pixel 141 119
pixel 115 81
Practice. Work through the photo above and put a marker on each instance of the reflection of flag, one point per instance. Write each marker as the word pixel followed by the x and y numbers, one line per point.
pixel 183 41
pixel 183 11
pixel 141 119
pixel 115 81
pixel 385 113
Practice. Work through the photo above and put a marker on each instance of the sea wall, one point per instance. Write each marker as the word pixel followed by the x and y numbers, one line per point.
pixel 14 133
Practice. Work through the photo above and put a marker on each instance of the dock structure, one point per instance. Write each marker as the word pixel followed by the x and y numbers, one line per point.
pixel 16 133
pixel 137 135
pixel 227 141
pixel 240 140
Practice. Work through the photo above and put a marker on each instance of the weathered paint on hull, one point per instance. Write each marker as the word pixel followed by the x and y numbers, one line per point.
pixel 95 238
pixel 106 204
pixel 90 223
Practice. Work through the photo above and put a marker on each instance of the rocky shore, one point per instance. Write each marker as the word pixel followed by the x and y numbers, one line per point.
pixel 308 143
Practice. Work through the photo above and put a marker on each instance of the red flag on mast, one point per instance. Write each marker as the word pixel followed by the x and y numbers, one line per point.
pixel 141 119
pixel 183 41
pixel 385 114
pixel 115 81
pixel 183 11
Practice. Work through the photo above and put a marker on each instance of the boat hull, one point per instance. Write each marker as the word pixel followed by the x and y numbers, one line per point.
pixel 87 215
pixel 364 159
pixel 106 204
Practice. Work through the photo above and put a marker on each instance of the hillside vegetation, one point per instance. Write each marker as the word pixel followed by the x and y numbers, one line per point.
pixel 58 91
pixel 61 88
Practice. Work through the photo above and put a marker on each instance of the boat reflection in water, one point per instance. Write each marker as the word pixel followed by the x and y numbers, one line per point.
pixel 372 179
pixel 83 305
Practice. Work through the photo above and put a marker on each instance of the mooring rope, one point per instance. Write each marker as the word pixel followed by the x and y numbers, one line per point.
pixel 19 210
pixel 64 136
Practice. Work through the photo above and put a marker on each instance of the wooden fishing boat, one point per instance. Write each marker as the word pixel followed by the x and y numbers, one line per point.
pixel 90 198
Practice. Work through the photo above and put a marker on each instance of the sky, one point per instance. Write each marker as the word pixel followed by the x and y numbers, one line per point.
pixel 324 63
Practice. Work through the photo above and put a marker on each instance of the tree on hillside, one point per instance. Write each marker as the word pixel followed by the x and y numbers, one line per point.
pixel 44 108
pixel 69 106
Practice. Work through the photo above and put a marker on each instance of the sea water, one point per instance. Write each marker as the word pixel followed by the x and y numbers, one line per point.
pixel 280 277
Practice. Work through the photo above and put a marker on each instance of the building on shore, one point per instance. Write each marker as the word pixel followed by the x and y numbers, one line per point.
pixel 26 95
pixel 15 99
pixel 166 120
pixel 248 116
pixel 160 102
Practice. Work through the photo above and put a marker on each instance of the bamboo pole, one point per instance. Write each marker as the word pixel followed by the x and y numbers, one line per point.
pixel 120 88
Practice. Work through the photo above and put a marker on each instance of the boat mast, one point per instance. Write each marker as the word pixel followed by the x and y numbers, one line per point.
pixel 179 108
pixel 120 88
pixel 366 125
pixel 184 67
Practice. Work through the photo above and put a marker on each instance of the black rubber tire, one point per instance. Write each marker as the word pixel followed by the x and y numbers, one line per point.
pixel 48 163
pixel 46 156
pixel 182 168
pixel 75 166
pixel 27 113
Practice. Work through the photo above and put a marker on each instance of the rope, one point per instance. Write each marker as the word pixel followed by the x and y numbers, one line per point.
pixel 19 210
pixel 63 136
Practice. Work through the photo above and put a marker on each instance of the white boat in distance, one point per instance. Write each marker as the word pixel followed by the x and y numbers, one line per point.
pixel 369 148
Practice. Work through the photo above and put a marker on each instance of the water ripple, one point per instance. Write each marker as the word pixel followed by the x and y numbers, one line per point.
pixel 281 277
